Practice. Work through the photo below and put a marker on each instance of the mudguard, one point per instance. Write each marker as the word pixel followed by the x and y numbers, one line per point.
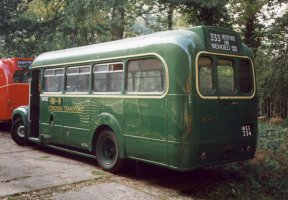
pixel 22 112
pixel 109 120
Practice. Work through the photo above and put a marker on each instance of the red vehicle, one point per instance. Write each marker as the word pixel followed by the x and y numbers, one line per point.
pixel 14 85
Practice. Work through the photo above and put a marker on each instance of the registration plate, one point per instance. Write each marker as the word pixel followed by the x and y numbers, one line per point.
pixel 247 130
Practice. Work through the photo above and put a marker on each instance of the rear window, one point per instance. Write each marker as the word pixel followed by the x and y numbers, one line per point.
pixel 205 76
pixel 246 77
pixel 224 76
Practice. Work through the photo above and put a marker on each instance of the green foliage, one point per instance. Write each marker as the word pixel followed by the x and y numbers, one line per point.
pixel 206 12
pixel 34 26
pixel 272 138
pixel 272 63
pixel 285 123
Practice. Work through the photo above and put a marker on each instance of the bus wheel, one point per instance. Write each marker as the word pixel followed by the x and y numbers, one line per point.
pixel 18 132
pixel 107 153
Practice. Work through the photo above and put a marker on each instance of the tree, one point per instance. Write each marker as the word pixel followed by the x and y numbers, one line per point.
pixel 272 67
pixel 245 17
pixel 210 12
pixel 195 12
pixel 14 28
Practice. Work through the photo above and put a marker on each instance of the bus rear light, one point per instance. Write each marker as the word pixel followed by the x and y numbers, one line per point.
pixel 203 156
pixel 246 149
pixel 249 149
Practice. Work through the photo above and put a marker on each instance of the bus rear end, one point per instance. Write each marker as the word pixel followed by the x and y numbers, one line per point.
pixel 221 115
pixel 225 101
pixel 14 88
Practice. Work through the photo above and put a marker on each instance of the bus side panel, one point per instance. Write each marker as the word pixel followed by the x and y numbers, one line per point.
pixel 4 112
pixel 76 120
pixel 146 129
pixel 11 97
pixel 18 96
pixel 180 133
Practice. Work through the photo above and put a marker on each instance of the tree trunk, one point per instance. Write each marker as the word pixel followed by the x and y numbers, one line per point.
pixel 118 20
pixel 170 17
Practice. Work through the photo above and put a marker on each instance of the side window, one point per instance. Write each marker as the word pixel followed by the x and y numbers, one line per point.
pixel 53 80
pixel 108 77
pixel 205 76
pixel 226 77
pixel 246 77
pixel 78 79
pixel 146 75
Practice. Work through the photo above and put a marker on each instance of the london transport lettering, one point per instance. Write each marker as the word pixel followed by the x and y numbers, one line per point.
pixel 55 105
pixel 71 109
pixel 223 42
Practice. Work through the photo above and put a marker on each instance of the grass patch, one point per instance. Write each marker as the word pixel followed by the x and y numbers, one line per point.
pixel 97 172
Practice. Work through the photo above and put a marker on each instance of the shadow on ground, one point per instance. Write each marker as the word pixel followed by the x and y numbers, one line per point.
pixel 5 127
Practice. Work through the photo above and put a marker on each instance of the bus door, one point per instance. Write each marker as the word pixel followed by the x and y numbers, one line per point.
pixel 208 101
pixel 55 119
pixel 76 107
pixel 219 109
pixel 51 108
pixel 229 109
pixel 34 104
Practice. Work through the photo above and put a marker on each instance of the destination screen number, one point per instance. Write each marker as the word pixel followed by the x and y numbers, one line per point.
pixel 223 42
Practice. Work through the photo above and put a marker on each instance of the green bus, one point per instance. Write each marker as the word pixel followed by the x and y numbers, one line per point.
pixel 181 99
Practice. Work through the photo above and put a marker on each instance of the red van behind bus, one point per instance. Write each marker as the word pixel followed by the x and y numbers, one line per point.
pixel 14 85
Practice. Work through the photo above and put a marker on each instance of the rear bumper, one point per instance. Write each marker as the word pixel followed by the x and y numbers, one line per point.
pixel 198 155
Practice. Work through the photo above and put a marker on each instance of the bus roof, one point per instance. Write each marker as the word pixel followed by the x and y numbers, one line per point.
pixel 202 37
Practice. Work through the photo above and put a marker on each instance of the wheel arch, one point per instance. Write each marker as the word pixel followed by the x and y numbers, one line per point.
pixel 22 113
pixel 108 121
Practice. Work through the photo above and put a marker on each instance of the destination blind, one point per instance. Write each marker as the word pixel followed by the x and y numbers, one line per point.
pixel 223 42
pixel 24 63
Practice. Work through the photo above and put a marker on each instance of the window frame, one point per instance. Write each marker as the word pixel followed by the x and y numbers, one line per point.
pixel 163 77
pixel 213 84
pixel 78 74
pixel 54 70
pixel 236 60
pixel 235 77
pixel 108 71
pixel 251 76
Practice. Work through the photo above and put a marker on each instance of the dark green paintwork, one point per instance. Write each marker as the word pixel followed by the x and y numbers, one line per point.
pixel 171 131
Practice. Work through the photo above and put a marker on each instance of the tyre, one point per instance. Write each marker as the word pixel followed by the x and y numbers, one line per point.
pixel 107 152
pixel 18 132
